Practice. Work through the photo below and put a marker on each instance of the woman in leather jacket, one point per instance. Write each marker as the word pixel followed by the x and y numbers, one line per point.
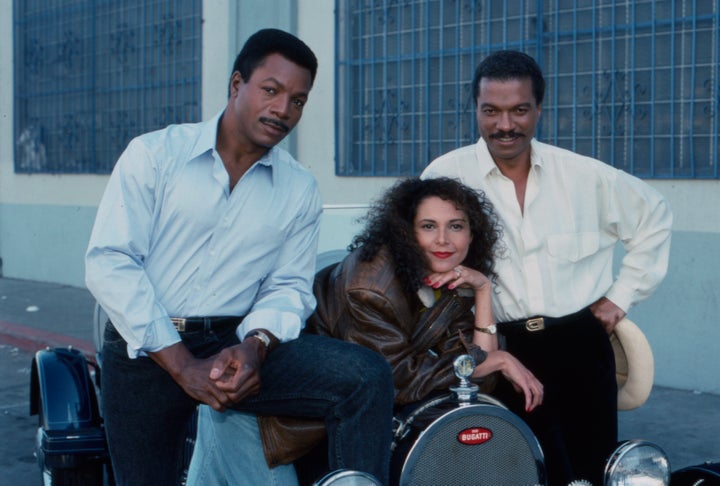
pixel 414 288
pixel 408 288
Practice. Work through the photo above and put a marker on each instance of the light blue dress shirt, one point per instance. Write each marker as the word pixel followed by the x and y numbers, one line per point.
pixel 170 239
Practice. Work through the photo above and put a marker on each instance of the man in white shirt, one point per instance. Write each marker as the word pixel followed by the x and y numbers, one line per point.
pixel 555 297
pixel 203 256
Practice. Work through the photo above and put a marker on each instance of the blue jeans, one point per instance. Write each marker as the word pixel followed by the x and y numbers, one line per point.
pixel 348 386
pixel 228 451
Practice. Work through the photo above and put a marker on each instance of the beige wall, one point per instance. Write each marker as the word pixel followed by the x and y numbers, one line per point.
pixel 45 220
pixel 316 132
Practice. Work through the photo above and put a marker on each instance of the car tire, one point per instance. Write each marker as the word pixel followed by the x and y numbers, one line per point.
pixel 87 475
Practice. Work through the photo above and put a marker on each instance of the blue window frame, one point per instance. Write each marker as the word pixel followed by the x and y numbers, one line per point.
pixel 633 83
pixel 92 74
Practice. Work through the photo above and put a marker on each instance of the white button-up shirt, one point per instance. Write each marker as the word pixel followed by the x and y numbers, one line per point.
pixel 556 256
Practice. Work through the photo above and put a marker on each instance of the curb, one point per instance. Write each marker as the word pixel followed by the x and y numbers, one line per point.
pixel 32 340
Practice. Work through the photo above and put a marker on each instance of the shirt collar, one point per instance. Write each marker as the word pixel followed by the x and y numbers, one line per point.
pixel 426 296
pixel 535 158
pixel 208 138
pixel 485 161
pixel 487 164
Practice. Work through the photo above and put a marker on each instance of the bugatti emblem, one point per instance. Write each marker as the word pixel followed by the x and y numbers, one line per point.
pixel 474 436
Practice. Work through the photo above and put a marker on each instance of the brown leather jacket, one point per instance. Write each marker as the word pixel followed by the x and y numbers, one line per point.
pixel 365 303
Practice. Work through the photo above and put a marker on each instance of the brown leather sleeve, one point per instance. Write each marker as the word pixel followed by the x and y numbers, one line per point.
pixel 372 321
pixel 363 302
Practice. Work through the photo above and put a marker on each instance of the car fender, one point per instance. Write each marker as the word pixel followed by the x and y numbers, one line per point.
pixel 62 391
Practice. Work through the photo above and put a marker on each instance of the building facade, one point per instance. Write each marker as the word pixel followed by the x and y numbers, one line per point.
pixel 628 82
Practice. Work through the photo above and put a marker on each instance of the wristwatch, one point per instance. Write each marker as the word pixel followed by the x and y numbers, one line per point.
pixel 264 338
pixel 491 329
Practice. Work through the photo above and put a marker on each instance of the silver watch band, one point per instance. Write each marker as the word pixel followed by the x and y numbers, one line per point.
pixel 261 336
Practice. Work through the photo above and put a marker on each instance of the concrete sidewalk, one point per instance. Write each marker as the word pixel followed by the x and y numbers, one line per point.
pixel 34 315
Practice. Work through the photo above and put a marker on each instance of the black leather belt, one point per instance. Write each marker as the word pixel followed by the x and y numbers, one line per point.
pixel 192 324
pixel 538 323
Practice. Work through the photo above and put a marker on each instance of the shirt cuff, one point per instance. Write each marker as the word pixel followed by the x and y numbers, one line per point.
pixel 159 334
pixel 285 326
pixel 621 296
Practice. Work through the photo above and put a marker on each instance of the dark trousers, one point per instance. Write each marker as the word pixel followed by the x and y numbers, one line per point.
pixel 577 422
pixel 146 412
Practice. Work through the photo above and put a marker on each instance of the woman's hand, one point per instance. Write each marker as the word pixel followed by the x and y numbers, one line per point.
pixel 521 378
pixel 465 277
pixel 460 276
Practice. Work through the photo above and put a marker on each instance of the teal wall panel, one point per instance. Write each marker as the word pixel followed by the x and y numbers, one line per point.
pixel 680 319
pixel 45 243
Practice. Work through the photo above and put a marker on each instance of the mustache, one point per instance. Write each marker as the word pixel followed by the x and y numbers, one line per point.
pixel 277 123
pixel 510 134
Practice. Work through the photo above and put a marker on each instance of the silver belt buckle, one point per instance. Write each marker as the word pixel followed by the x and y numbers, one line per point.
pixel 535 324
pixel 179 323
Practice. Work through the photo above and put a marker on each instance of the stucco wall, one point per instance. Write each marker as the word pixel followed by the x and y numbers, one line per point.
pixel 680 321
pixel 45 221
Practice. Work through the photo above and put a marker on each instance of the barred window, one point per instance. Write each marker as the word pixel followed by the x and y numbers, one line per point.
pixel 633 83
pixel 92 74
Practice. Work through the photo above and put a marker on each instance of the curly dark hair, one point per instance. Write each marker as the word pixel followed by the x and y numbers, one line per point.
pixel 390 223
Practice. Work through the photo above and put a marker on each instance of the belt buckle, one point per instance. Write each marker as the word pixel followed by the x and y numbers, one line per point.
pixel 179 323
pixel 535 324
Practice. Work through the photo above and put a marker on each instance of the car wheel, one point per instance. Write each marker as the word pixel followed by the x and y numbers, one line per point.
pixel 87 475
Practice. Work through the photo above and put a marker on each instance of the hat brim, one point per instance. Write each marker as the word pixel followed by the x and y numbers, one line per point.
pixel 634 364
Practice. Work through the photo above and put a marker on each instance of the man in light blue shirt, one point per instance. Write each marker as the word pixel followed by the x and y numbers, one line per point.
pixel 202 255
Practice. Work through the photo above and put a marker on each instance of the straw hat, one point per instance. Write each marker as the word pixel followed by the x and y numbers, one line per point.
pixel 634 365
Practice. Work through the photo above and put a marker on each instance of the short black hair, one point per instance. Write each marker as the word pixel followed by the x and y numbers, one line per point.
pixel 273 41
pixel 506 65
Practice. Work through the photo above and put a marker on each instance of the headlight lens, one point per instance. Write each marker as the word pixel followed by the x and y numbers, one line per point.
pixel 346 477
pixel 637 463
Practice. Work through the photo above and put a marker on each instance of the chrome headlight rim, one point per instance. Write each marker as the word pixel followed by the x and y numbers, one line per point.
pixel 347 477
pixel 616 460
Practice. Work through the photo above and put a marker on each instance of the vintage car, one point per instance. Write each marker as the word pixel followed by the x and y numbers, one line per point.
pixel 460 438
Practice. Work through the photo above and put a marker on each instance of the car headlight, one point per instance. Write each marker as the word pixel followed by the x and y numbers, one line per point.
pixel 637 463
pixel 346 477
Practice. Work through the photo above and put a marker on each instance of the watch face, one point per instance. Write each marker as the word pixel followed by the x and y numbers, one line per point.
pixel 464 366
pixel 491 329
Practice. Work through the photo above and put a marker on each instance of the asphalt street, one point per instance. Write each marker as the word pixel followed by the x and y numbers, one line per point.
pixel 18 465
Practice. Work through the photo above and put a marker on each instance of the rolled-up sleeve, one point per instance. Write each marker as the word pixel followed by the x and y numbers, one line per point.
pixel 114 271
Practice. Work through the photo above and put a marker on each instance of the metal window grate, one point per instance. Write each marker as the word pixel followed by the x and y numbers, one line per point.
pixel 92 74
pixel 633 83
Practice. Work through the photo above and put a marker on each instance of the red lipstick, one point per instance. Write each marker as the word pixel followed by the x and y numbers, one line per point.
pixel 442 254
